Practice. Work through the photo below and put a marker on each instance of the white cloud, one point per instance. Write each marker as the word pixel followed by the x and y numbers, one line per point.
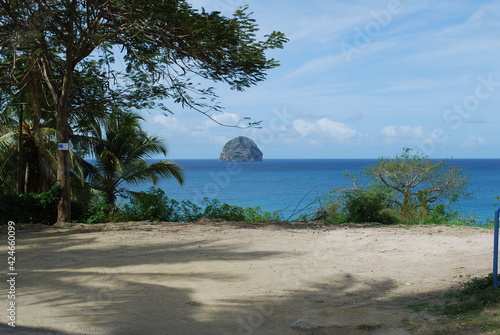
pixel 170 124
pixel 389 131
pixel 414 136
pixel 403 131
pixel 473 141
pixel 325 127
pixel 408 134
pixel 173 124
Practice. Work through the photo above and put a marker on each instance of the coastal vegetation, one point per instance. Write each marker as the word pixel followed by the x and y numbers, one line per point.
pixel 409 188
pixel 59 73
pixel 154 205
pixel 430 189
pixel 69 126
pixel 472 308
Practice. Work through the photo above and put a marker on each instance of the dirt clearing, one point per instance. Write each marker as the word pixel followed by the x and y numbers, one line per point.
pixel 223 278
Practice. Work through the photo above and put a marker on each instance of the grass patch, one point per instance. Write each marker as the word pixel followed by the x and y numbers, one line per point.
pixel 473 296
pixel 485 322
pixel 368 328
pixel 425 306
pixel 474 308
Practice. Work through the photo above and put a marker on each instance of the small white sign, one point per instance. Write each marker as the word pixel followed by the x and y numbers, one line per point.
pixel 64 146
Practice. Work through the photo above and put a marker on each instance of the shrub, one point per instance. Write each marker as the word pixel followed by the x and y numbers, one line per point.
pixel 438 215
pixel 367 205
pixel 255 214
pixel 156 206
pixel 356 205
pixel 188 212
pixel 153 205
pixel 99 210
pixel 215 210
pixel 31 208
pixel 329 211
pixel 79 211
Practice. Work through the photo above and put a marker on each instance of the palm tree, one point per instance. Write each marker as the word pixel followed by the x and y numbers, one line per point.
pixel 120 150
pixel 37 138
pixel 28 146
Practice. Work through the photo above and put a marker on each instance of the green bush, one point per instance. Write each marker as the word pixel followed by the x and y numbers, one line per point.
pixel 156 206
pixel 30 208
pixel 367 205
pixel 438 215
pixel 409 188
pixel 215 210
pixel 153 205
pixel 356 205
pixel 99 210
pixel 255 214
pixel 373 203
pixel 79 211
pixel 329 211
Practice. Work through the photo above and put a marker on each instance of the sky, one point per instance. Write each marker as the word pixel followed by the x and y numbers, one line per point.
pixel 359 79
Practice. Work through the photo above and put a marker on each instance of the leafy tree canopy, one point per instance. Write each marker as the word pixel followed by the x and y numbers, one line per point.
pixel 45 45
pixel 417 181
pixel 161 42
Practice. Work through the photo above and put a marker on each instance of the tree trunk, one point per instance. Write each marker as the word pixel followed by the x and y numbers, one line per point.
pixel 21 171
pixel 63 167
pixel 62 134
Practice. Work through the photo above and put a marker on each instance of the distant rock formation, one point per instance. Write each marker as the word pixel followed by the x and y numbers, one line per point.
pixel 241 149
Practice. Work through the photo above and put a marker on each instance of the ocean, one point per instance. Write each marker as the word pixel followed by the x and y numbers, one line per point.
pixel 290 186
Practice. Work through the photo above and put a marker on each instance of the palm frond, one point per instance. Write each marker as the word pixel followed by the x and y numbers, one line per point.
pixel 141 172
pixel 121 148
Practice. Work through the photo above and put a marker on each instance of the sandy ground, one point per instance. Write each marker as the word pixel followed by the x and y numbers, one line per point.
pixel 222 278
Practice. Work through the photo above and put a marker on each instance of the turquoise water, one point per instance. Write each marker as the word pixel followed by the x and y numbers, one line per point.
pixel 287 185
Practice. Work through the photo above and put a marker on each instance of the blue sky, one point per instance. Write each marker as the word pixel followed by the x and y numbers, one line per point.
pixel 360 79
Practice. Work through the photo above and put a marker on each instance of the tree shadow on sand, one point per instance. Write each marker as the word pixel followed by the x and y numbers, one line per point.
pixel 84 292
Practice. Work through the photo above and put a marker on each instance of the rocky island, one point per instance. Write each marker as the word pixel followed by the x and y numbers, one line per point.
pixel 241 149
